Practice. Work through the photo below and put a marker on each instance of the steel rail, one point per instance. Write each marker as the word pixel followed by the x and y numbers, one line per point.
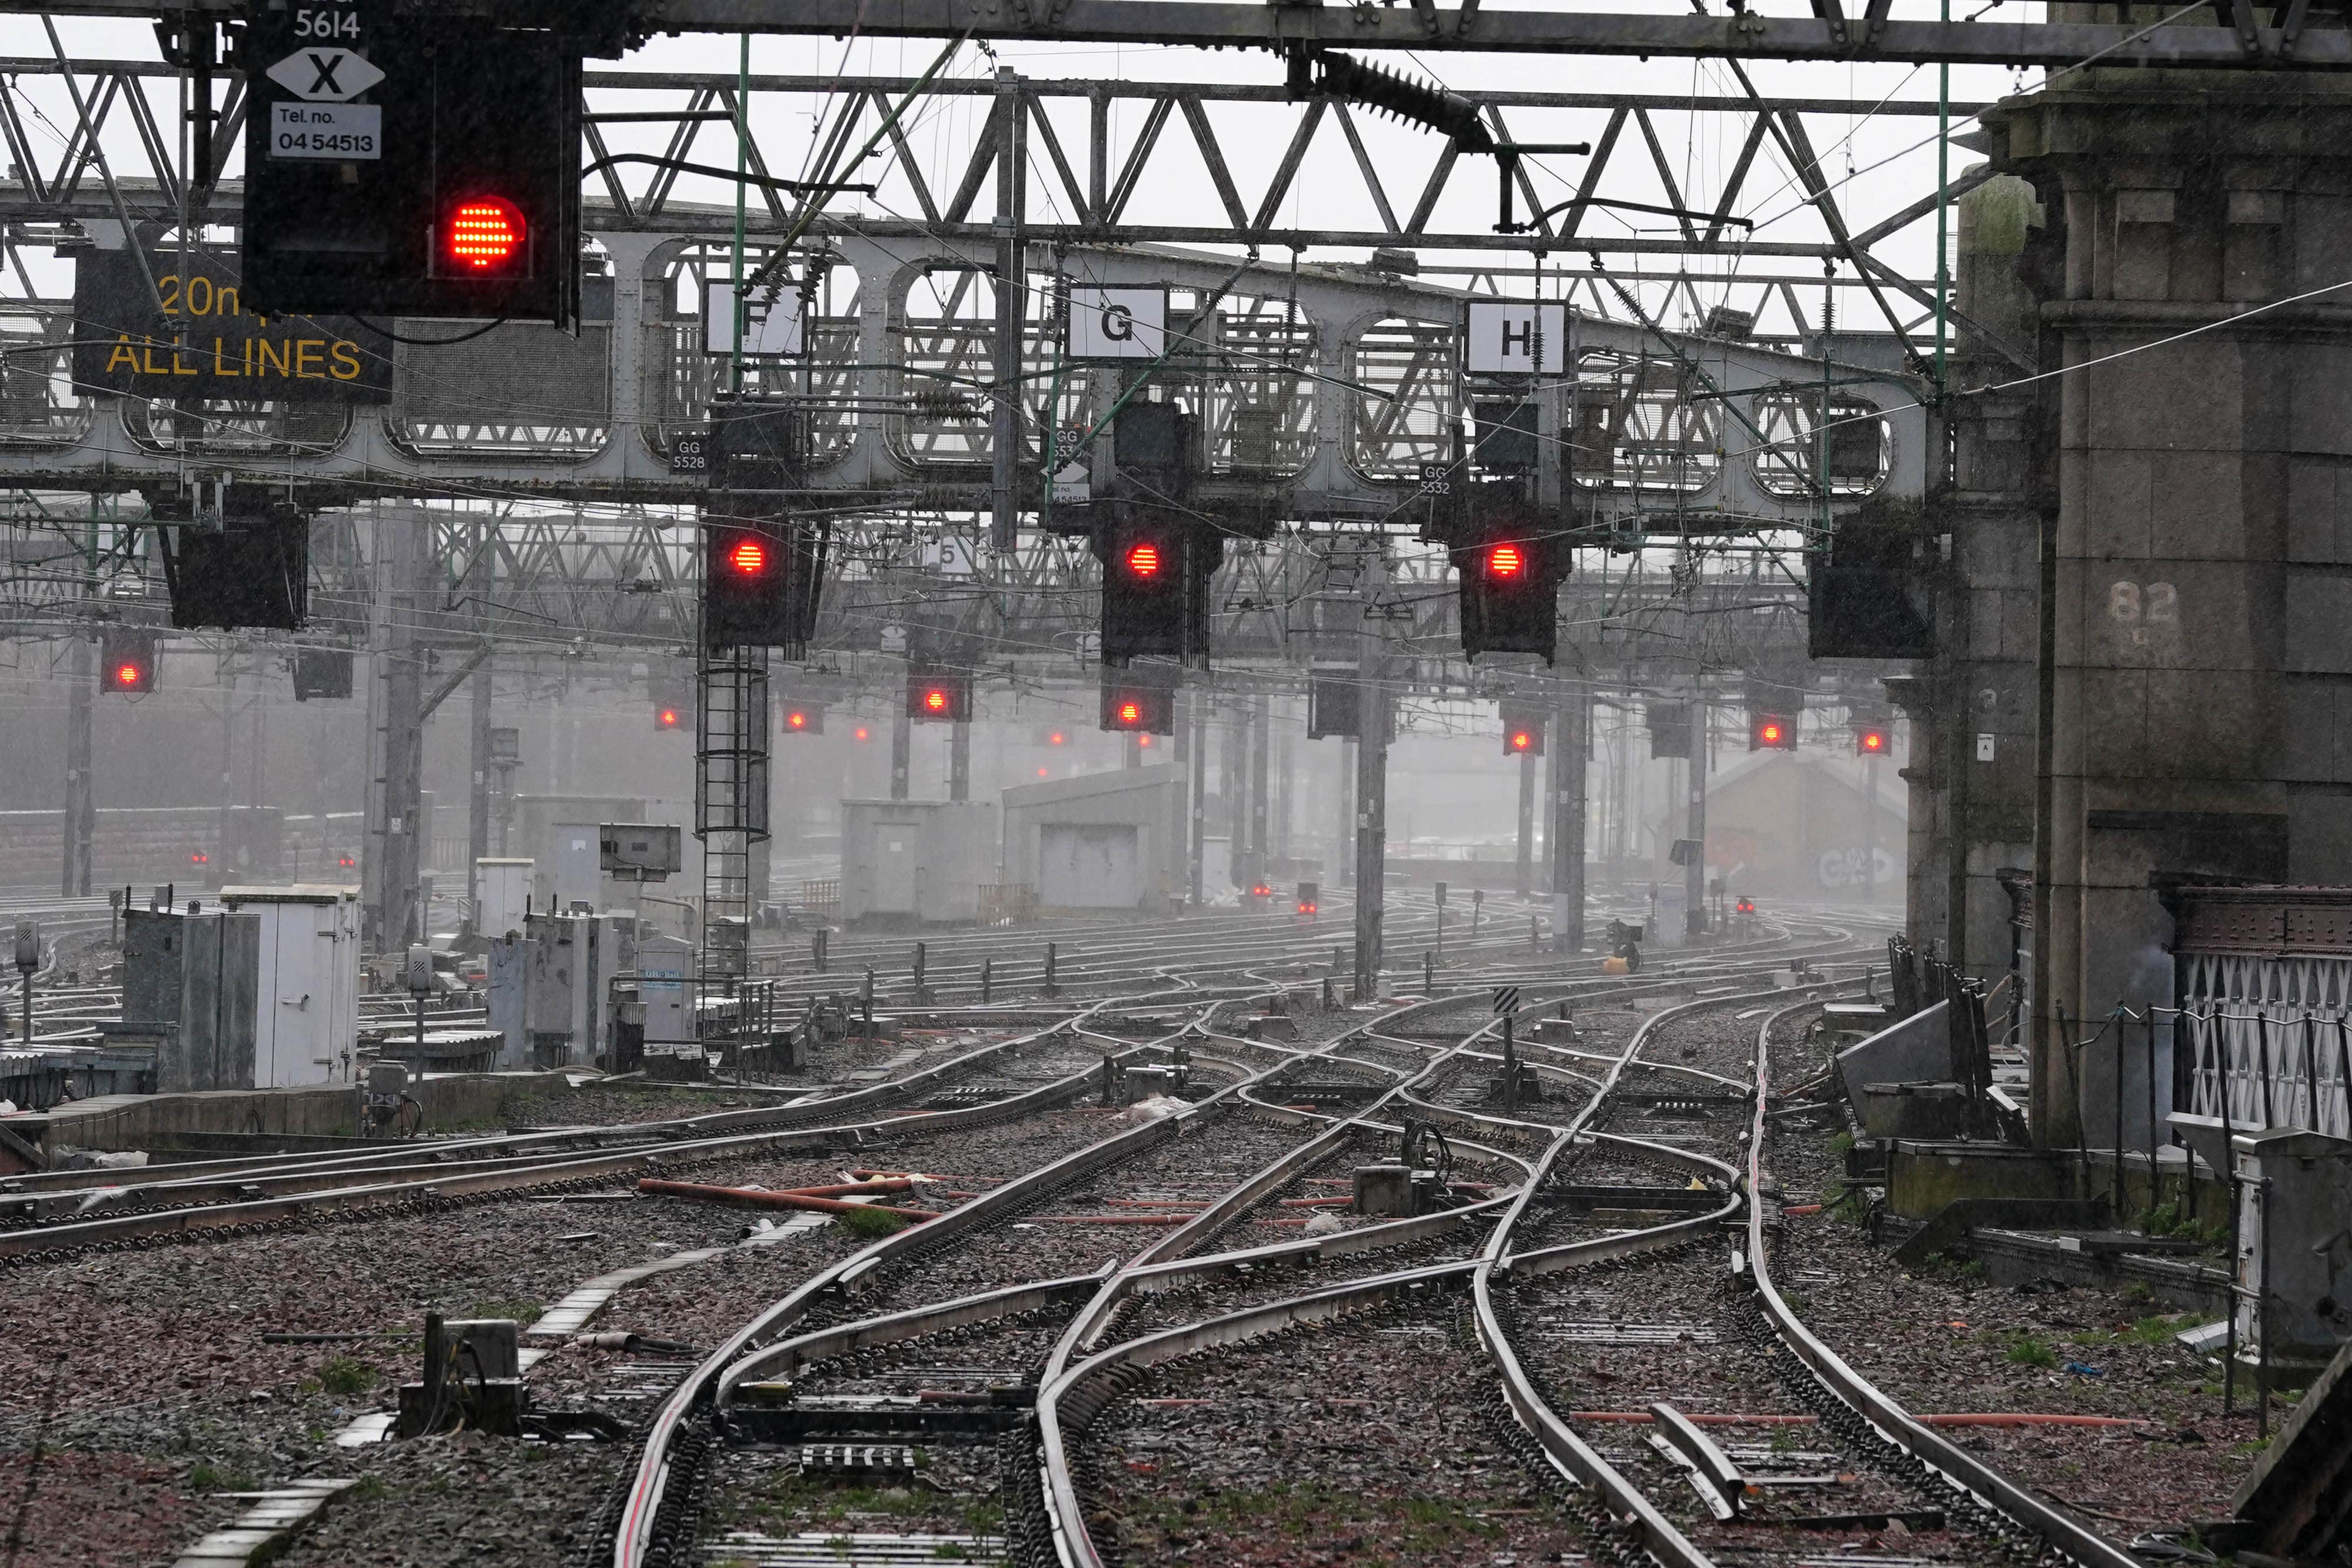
pixel 749 1349
pixel 509 1177
pixel 1886 1416
pixel 1060 1390
pixel 670 1134
pixel 1560 1442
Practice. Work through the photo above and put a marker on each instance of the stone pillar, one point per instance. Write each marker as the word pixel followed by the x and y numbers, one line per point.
pixel 1971 706
pixel 2196 633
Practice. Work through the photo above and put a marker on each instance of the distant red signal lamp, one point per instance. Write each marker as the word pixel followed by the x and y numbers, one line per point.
pixel 1505 561
pixel 1521 741
pixel 1056 740
pixel 486 236
pixel 748 556
pixel 795 721
pixel 200 858
pixel 1143 559
pixel 1770 734
pixel 935 698
pixel 665 719
pixel 1870 742
pixel 346 861
pixel 863 733
pixel 1130 712
pixel 128 675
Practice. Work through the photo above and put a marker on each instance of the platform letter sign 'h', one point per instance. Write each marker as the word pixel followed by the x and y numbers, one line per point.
pixel 1517 337
pixel 1117 324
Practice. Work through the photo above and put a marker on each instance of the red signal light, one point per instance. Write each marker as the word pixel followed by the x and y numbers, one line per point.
pixel 1521 741
pixel 1143 740
pixel 863 733
pixel 1143 559
pixel 748 557
pixel 666 718
pixel 795 721
pixel 1056 740
pixel 1871 741
pixel 128 675
pixel 346 860
pixel 935 699
pixel 1306 908
pixel 486 235
pixel 1770 734
pixel 1505 561
pixel 200 858
pixel 1130 712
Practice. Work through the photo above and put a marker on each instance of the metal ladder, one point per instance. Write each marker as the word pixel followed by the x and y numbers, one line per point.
pixel 731 810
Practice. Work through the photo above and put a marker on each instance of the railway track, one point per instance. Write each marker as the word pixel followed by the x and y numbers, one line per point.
pixel 825 1360
pixel 1059 1241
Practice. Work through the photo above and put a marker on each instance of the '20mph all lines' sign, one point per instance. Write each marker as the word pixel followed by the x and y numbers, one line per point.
pixel 203 342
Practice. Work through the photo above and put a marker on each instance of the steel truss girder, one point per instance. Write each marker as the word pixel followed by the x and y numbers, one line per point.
pixel 877 472
pixel 1277 608
pixel 1223 23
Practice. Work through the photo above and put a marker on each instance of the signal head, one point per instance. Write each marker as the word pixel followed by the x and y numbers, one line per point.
pixel 1521 741
pixel 1506 562
pixel 1143 558
pixel 486 237
pixel 1870 742
pixel 935 699
pixel 748 556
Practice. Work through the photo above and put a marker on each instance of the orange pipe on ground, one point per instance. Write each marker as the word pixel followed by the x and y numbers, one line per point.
pixel 1111 1218
pixel 745 1198
pixel 873 1188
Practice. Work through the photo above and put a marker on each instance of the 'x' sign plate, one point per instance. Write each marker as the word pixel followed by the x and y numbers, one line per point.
pixel 325 76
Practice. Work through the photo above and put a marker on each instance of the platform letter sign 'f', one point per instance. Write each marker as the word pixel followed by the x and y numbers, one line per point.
pixel 1117 324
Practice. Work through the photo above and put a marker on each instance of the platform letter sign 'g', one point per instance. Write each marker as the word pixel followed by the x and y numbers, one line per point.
pixel 1517 337
pixel 1117 324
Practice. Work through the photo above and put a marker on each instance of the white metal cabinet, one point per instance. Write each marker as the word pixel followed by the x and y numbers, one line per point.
pixel 306 1013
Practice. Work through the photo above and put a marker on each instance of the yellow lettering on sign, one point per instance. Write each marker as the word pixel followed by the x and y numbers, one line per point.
pixel 306 354
pixel 147 364
pixel 122 355
pixel 203 306
pixel 249 356
pixel 347 360
pixel 220 359
pixel 228 303
pixel 179 369
pixel 273 358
